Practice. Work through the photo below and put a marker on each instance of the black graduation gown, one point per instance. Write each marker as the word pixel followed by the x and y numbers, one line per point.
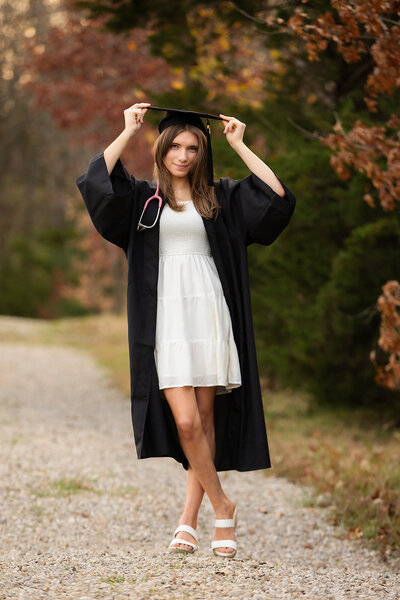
pixel 251 212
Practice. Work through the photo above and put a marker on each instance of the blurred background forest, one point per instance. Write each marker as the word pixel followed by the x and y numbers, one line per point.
pixel 317 84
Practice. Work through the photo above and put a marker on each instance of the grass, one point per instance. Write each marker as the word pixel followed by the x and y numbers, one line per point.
pixel 38 510
pixel 350 457
pixel 346 457
pixel 115 579
pixel 127 490
pixel 178 563
pixel 64 487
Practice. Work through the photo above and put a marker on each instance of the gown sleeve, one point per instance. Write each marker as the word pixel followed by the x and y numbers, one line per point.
pixel 109 199
pixel 256 209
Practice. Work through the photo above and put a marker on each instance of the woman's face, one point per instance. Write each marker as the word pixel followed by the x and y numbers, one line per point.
pixel 182 154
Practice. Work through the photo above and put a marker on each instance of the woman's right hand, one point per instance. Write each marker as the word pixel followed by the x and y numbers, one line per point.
pixel 134 117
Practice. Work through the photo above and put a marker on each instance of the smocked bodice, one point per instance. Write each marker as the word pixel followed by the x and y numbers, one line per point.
pixel 183 232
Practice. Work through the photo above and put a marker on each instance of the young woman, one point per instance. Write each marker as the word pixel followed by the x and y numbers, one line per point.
pixel 195 393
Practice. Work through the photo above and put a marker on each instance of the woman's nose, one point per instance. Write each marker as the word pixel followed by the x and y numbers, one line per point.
pixel 183 155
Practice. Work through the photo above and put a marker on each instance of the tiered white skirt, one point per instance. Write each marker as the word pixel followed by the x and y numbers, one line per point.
pixel 194 337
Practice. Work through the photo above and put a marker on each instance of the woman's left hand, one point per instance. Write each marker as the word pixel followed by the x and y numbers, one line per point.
pixel 234 129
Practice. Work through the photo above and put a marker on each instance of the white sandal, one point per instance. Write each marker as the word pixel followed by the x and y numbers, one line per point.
pixel 225 543
pixel 174 540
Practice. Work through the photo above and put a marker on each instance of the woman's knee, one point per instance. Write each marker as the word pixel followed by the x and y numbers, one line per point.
pixel 189 426
pixel 182 401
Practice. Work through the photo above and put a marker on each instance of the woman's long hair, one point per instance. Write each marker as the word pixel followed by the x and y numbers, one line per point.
pixel 203 195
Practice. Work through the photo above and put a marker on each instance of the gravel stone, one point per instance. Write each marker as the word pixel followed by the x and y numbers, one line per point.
pixel 83 519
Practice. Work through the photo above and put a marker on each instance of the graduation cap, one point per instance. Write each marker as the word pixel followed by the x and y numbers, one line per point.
pixel 177 116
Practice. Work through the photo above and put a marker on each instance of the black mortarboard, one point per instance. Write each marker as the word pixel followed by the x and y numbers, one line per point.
pixel 176 116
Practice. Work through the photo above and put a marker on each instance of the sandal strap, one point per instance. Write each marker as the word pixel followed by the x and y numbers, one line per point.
pixel 187 529
pixel 224 523
pixel 227 522
pixel 176 540
pixel 224 543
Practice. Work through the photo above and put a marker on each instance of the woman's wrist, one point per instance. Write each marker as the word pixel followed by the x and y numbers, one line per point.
pixel 126 133
pixel 238 146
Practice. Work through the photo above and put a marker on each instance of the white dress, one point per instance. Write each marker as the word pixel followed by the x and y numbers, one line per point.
pixel 194 337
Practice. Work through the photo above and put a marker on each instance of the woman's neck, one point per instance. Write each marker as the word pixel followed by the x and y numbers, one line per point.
pixel 181 188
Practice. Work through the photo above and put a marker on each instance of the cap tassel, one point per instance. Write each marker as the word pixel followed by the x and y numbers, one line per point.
pixel 210 170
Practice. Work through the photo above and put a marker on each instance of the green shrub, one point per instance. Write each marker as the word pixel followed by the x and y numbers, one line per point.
pixel 29 267
pixel 314 290
pixel 348 319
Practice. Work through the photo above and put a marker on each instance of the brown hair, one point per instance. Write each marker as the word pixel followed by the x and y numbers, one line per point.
pixel 203 195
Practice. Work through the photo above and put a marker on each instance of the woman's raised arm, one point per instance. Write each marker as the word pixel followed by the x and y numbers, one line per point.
pixel 133 121
pixel 234 130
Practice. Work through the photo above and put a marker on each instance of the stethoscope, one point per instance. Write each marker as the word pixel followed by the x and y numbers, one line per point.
pixel 141 226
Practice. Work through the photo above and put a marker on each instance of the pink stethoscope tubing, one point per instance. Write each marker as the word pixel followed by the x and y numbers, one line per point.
pixel 158 197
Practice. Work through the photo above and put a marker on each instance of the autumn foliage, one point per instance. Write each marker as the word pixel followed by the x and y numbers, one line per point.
pixel 389 340
pixel 84 78
pixel 357 28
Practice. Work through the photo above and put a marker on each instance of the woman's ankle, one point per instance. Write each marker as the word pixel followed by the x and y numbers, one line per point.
pixel 225 510
pixel 189 518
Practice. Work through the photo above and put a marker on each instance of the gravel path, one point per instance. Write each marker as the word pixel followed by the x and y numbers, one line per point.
pixel 83 519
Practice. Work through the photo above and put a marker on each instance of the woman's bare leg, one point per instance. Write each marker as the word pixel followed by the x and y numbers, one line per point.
pixel 203 411
pixel 194 490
